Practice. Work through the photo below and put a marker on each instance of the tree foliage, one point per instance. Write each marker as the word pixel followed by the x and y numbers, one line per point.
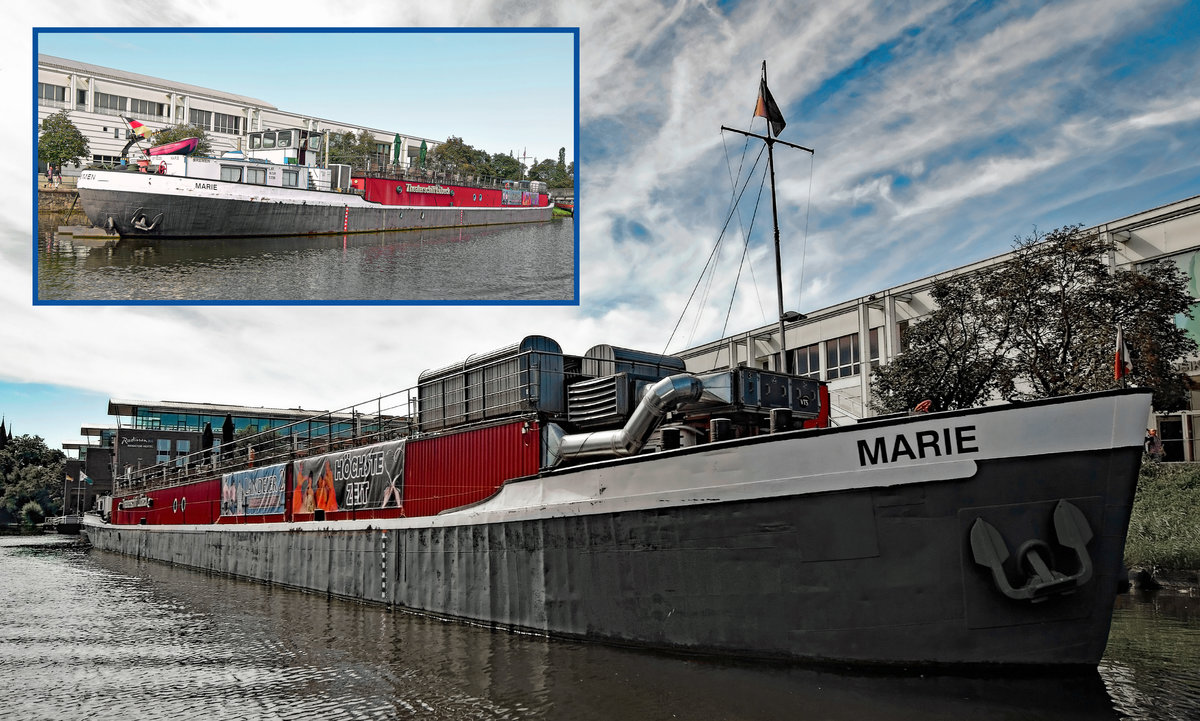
pixel 60 141
pixel 506 167
pixel 556 174
pixel 456 156
pixel 30 471
pixel 354 150
pixel 181 132
pixel 1043 324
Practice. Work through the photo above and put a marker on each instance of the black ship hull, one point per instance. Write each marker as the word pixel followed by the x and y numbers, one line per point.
pixel 172 216
pixel 804 547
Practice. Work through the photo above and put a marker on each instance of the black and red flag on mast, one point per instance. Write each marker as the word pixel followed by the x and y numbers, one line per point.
pixel 766 107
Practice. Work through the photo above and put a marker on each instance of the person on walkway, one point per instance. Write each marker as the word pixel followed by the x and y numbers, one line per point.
pixel 49 174
pixel 1154 447
pixel 58 176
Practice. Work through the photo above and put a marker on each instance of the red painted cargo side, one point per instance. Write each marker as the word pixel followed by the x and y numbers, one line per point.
pixel 191 503
pixel 455 469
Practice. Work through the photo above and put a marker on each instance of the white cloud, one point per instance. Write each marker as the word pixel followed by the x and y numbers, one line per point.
pixel 923 152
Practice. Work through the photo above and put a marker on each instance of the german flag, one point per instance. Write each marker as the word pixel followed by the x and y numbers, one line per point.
pixel 138 128
pixel 766 108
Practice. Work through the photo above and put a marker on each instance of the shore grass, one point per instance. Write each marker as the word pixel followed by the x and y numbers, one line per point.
pixel 1164 530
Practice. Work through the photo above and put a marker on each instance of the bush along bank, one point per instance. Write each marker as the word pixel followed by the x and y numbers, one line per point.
pixel 1163 546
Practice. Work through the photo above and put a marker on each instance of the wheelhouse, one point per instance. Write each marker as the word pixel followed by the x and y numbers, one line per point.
pixel 291 146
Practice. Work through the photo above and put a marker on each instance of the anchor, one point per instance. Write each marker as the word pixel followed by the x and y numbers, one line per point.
pixel 1072 531
pixel 139 221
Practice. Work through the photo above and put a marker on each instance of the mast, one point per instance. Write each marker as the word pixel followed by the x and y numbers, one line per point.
pixel 766 108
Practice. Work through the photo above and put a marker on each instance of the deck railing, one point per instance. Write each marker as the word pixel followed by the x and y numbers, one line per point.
pixel 389 417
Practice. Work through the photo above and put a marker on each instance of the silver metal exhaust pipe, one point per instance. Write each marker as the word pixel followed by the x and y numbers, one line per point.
pixel 658 400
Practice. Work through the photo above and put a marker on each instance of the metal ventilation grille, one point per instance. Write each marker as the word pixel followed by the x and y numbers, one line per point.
pixel 599 401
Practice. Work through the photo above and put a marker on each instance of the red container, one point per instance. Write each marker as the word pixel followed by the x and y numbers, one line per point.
pixel 197 502
pixel 455 469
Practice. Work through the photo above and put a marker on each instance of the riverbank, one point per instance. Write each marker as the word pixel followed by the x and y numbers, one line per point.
pixel 57 200
pixel 1163 546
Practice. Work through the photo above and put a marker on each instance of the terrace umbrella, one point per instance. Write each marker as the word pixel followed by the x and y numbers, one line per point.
pixel 227 435
pixel 396 150
pixel 424 148
pixel 206 441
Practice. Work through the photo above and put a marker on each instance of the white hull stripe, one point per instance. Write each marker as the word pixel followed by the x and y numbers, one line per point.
pixel 805 463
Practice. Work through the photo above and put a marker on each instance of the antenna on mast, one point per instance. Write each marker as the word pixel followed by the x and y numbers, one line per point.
pixel 766 108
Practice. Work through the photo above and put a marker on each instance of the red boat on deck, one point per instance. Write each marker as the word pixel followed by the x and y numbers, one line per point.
pixel 180 147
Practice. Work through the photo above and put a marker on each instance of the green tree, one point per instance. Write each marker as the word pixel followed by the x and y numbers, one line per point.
pixel 181 132
pixel 349 149
pixel 60 141
pixel 30 471
pixel 455 156
pixel 1043 324
pixel 544 171
pixel 506 167
pixel 32 514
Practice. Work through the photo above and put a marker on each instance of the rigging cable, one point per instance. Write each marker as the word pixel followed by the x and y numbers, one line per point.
pixel 700 305
pixel 714 251
pixel 745 247
pixel 804 241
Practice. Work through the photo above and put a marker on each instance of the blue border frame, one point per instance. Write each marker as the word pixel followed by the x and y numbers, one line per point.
pixel 574 31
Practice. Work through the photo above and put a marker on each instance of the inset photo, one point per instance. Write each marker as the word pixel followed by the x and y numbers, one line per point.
pixel 306 166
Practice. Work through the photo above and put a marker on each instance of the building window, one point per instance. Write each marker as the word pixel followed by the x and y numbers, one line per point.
pixel 873 339
pixel 81 99
pixel 842 356
pixel 110 104
pixel 232 173
pixel 182 448
pixel 164 451
pixel 256 175
pixel 145 108
pixel 230 124
pixel 52 93
pixel 291 178
pixel 806 361
pixel 201 118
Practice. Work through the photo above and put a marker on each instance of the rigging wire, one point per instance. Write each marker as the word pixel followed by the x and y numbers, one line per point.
pixel 745 248
pixel 711 255
pixel 804 239
pixel 700 305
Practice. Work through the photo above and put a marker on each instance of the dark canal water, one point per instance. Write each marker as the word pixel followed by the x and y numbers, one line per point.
pixel 91 635
pixel 534 262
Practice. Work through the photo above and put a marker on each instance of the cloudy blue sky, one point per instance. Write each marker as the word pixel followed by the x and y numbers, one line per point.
pixel 419 83
pixel 942 131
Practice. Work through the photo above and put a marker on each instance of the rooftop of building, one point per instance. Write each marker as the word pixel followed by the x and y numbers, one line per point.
pixel 124 407
pixel 74 66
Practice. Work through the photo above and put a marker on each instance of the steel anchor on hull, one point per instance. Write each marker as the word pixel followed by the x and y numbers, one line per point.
pixel 1035 555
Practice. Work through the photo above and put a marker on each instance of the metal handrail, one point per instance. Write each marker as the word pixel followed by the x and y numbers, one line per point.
pixel 384 418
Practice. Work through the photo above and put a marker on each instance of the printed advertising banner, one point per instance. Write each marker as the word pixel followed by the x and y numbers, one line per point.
pixel 367 477
pixel 254 492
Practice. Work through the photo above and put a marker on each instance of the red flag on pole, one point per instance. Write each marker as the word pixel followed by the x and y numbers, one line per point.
pixel 766 108
pixel 138 128
pixel 1122 366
